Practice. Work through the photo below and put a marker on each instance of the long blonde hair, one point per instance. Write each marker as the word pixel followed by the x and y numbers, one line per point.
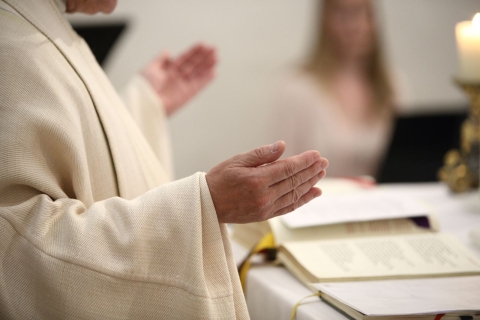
pixel 322 63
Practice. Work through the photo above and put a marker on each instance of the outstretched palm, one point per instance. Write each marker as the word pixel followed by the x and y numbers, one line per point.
pixel 178 80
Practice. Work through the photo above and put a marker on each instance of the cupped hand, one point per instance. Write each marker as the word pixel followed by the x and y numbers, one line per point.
pixel 178 80
pixel 256 186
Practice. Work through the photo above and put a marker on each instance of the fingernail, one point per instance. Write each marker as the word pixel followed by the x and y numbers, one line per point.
pixel 324 163
pixel 274 147
pixel 322 174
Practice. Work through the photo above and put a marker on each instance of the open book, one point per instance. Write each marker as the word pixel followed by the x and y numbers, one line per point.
pixel 362 235
pixel 386 257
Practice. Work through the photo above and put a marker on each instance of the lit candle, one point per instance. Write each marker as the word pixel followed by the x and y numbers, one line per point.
pixel 468 42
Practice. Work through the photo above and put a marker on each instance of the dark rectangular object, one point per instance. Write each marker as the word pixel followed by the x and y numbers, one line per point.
pixel 418 146
pixel 101 38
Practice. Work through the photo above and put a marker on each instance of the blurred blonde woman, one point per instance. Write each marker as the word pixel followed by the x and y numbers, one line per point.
pixel 341 102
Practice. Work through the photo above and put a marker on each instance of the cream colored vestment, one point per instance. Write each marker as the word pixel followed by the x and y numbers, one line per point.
pixel 90 228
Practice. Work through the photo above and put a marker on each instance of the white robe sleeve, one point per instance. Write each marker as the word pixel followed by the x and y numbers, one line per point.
pixel 70 248
pixel 148 112
pixel 161 255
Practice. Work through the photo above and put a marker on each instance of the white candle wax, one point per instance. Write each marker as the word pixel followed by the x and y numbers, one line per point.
pixel 468 43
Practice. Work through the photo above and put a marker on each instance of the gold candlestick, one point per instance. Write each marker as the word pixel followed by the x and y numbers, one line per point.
pixel 461 167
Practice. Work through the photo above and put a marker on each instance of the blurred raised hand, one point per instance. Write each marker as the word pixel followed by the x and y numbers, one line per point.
pixel 177 80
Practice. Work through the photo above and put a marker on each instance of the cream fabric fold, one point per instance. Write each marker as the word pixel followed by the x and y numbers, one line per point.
pixel 149 113
pixel 90 226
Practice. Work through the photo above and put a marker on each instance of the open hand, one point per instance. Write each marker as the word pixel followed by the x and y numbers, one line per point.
pixel 254 186
pixel 178 80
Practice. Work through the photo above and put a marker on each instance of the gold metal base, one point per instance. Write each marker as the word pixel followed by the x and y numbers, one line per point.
pixel 461 167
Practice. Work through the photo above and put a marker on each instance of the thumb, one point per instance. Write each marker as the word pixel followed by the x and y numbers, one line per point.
pixel 163 59
pixel 261 155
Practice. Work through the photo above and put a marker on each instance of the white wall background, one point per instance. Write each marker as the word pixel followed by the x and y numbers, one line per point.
pixel 256 39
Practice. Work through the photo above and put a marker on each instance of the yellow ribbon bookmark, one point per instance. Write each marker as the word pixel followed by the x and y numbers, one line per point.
pixel 295 307
pixel 267 242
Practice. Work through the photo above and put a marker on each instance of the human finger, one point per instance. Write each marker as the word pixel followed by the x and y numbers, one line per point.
pixel 291 183
pixel 197 60
pixel 188 53
pixel 164 60
pixel 204 72
pixel 295 194
pixel 306 198
pixel 260 156
pixel 283 169
pixel 187 57
pixel 205 64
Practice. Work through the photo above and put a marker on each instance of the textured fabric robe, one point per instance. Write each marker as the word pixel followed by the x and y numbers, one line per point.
pixel 90 226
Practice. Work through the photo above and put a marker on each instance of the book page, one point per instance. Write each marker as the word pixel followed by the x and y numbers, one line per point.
pixel 332 186
pixel 366 206
pixel 407 297
pixel 344 230
pixel 386 256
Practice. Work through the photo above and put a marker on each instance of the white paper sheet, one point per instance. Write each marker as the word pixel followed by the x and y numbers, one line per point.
pixel 365 206
pixel 408 297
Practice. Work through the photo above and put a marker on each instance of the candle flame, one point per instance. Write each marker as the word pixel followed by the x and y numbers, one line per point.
pixel 476 21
